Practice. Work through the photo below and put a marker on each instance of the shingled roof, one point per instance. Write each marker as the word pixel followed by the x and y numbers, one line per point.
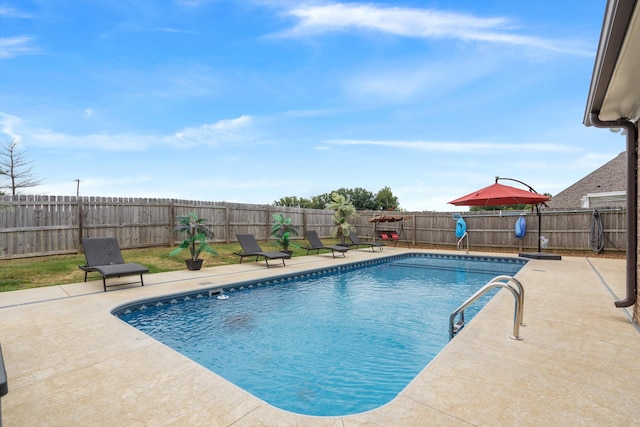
pixel 610 177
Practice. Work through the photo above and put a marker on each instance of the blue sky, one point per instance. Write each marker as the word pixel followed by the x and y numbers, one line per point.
pixel 253 100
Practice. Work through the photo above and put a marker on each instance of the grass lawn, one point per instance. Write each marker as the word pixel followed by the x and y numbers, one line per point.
pixel 52 270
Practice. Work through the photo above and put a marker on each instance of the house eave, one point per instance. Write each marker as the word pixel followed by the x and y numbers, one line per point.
pixel 616 65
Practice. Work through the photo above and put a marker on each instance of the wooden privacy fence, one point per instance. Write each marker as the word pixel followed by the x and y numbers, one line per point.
pixel 49 225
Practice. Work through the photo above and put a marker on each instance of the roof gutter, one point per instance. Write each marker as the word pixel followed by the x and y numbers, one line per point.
pixel 632 202
pixel 616 21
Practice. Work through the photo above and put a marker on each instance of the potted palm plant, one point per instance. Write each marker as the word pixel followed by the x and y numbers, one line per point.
pixel 282 230
pixel 196 240
pixel 344 211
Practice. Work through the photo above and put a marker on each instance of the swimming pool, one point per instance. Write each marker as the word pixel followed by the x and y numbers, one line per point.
pixel 327 342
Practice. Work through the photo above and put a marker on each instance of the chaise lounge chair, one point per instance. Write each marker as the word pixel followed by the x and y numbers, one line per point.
pixel 355 241
pixel 251 248
pixel 103 256
pixel 316 244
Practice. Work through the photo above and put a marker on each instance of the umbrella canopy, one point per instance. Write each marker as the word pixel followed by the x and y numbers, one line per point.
pixel 499 194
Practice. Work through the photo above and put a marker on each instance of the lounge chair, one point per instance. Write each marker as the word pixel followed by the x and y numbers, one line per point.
pixel 355 241
pixel 316 244
pixel 103 256
pixel 251 248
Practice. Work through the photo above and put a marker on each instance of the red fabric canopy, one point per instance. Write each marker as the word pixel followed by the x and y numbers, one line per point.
pixel 498 194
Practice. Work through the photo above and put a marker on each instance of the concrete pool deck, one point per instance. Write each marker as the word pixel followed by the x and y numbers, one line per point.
pixel 69 362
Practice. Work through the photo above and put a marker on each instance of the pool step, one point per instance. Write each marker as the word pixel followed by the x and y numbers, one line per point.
pixel 458 326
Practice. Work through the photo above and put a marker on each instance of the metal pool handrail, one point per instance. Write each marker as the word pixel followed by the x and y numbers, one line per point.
pixel 497 282
pixel 464 236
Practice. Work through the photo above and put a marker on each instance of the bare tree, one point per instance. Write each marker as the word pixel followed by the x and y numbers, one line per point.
pixel 15 166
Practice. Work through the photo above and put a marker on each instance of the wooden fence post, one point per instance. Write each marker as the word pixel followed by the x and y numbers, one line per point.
pixel 266 223
pixel 227 223
pixel 172 222
pixel 79 213
pixel 413 238
pixel 304 223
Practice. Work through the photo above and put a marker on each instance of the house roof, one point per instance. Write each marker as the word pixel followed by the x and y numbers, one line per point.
pixel 610 177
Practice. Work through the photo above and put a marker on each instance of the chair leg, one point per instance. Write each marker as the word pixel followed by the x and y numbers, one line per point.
pixel 104 283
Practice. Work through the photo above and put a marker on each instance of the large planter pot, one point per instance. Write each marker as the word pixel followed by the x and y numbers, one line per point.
pixel 193 264
pixel 288 252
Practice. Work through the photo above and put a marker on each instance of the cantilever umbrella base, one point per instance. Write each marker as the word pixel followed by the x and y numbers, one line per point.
pixel 540 255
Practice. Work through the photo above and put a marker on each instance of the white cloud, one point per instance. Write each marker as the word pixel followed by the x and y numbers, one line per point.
pixel 105 141
pixel 14 46
pixel 406 80
pixel 233 130
pixel 452 146
pixel 415 23
pixel 12 13
pixel 8 125
pixel 399 21
pixel 223 131
pixel 15 127
pixel 172 30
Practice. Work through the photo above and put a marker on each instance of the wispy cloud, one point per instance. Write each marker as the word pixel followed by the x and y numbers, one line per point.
pixel 416 23
pixel 171 30
pixel 9 125
pixel 453 146
pixel 401 81
pixel 224 131
pixel 14 46
pixel 12 13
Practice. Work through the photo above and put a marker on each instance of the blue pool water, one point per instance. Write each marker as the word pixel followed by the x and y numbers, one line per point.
pixel 324 343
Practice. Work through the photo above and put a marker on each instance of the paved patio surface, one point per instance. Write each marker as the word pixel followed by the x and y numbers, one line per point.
pixel 71 363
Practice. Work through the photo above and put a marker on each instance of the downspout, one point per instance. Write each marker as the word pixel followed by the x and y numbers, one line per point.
pixel 632 202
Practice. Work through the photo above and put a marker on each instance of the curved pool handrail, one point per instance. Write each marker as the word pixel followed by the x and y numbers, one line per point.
pixel 496 282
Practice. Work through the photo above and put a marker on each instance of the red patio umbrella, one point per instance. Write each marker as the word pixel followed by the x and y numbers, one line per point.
pixel 499 194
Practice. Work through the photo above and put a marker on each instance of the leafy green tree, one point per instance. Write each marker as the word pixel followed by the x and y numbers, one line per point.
pixel 320 201
pixel 344 211
pixel 360 198
pixel 289 202
pixel 385 200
